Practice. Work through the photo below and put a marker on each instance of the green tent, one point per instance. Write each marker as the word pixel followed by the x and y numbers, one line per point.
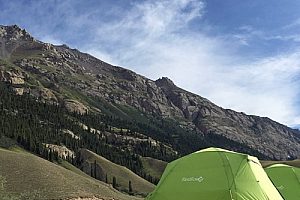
pixel 215 174
pixel 287 180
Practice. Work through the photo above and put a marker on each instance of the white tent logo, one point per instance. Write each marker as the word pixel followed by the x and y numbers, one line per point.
pixel 192 179
pixel 280 187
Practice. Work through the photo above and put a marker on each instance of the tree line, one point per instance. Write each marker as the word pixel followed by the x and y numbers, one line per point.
pixel 32 124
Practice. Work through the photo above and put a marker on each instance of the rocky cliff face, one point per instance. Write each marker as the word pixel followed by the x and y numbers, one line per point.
pixel 12 37
pixel 63 75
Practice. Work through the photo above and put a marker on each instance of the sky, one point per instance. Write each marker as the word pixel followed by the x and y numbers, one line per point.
pixel 242 55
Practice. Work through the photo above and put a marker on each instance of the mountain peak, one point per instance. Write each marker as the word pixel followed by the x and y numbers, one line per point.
pixel 14 32
pixel 165 82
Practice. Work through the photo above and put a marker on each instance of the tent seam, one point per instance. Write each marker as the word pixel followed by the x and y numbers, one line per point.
pixel 295 174
pixel 229 185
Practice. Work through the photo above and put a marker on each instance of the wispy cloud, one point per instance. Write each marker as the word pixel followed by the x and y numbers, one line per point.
pixel 170 38
pixel 154 39
pixel 292 37
pixel 267 87
pixel 246 34
pixel 293 24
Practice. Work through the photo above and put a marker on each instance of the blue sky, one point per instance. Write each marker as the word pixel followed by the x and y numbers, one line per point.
pixel 242 55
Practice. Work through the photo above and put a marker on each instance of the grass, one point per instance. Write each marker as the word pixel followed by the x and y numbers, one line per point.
pixel 7 64
pixel 26 176
pixel 72 168
pixel 28 53
pixel 73 94
pixel 134 114
pixel 267 163
pixel 111 109
pixel 122 174
pixel 153 167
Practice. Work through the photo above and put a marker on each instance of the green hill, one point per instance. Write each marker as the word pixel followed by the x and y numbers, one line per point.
pixel 153 167
pixel 26 176
pixel 122 174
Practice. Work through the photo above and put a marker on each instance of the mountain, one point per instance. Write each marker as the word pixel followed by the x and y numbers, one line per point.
pixel 297 126
pixel 80 81
pixel 56 101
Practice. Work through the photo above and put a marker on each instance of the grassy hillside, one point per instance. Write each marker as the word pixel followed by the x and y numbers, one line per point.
pixel 72 168
pixel 123 175
pixel 25 176
pixel 295 163
pixel 153 167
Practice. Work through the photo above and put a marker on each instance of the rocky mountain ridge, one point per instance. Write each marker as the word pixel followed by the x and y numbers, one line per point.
pixel 59 74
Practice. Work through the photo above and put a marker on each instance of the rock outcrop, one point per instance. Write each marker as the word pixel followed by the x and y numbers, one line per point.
pixel 13 77
pixel 75 106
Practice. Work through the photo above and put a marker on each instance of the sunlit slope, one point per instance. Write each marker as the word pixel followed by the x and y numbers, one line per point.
pixel 26 176
pixel 153 167
pixel 122 174
pixel 295 163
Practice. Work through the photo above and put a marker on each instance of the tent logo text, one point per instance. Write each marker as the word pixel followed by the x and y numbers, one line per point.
pixel 192 179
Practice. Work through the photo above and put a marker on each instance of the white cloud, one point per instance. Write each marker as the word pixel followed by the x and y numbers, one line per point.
pixel 246 34
pixel 154 39
pixel 292 37
pixel 151 19
pixel 293 24
pixel 268 87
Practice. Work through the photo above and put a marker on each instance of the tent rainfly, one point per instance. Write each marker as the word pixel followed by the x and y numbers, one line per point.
pixel 287 180
pixel 215 174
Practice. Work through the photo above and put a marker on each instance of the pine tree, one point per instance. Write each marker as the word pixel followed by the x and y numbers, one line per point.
pixel 95 169
pixel 114 183
pixel 73 160
pixel 130 188
pixel 50 155
pixel 56 156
